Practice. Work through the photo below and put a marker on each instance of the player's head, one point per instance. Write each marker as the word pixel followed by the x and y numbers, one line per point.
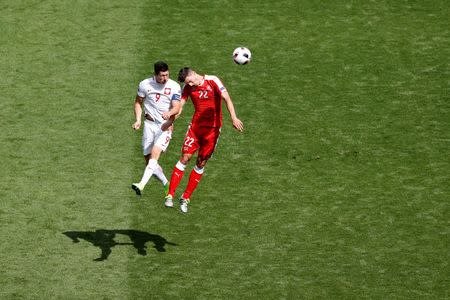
pixel 161 72
pixel 189 77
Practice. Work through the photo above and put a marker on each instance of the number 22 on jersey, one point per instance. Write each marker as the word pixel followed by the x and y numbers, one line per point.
pixel 203 94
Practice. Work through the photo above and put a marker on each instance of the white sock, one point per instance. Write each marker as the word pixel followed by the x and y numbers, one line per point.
pixel 149 169
pixel 158 172
pixel 199 170
pixel 180 166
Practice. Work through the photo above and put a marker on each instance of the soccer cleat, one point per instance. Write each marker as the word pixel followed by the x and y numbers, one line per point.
pixel 184 205
pixel 137 188
pixel 169 201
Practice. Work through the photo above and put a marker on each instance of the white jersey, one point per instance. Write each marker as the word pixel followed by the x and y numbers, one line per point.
pixel 158 96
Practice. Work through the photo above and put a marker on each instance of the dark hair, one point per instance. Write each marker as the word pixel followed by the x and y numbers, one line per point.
pixel 161 66
pixel 183 74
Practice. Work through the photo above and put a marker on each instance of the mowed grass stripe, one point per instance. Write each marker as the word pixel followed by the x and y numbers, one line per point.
pixel 324 194
pixel 69 74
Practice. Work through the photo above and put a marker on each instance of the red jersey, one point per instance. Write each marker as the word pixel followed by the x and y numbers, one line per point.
pixel 207 100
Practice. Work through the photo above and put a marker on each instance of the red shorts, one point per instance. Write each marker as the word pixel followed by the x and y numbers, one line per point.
pixel 203 139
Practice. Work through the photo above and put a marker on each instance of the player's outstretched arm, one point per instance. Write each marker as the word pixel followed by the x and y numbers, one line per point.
pixel 137 112
pixel 171 114
pixel 236 122
pixel 180 108
pixel 182 102
pixel 175 109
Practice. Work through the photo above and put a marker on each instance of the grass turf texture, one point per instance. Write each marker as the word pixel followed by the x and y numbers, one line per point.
pixel 337 189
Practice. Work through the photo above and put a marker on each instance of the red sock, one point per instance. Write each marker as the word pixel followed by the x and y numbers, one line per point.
pixel 194 179
pixel 177 175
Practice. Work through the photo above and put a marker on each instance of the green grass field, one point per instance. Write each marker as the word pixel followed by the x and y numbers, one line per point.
pixel 338 188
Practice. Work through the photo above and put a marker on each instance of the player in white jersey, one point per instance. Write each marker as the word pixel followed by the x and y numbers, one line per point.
pixel 161 98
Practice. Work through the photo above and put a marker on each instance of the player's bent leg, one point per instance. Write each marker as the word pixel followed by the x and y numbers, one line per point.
pixel 161 144
pixel 147 146
pixel 150 169
pixel 185 158
pixel 156 153
pixel 201 162
pixel 159 173
pixel 175 179
pixel 194 179
pixel 148 172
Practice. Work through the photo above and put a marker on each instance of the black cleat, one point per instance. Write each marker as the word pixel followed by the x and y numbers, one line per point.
pixel 136 188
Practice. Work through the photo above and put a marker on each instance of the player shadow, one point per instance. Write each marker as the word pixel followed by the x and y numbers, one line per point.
pixel 104 239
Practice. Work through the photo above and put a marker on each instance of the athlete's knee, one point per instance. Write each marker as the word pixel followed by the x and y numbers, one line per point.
pixel 185 159
pixel 156 153
pixel 152 164
pixel 201 162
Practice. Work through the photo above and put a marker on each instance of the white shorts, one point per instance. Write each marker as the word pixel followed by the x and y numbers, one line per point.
pixel 154 136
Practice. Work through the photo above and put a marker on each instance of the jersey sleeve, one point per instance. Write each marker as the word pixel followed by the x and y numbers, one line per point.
pixel 141 89
pixel 177 94
pixel 218 84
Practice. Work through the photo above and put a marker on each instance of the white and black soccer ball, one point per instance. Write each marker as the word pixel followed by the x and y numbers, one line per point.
pixel 242 55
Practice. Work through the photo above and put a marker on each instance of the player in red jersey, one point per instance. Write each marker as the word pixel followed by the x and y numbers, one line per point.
pixel 206 93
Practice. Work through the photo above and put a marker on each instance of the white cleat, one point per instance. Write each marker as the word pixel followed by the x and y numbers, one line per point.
pixel 169 201
pixel 184 205
pixel 137 188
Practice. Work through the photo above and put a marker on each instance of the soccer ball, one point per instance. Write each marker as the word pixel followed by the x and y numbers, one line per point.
pixel 242 55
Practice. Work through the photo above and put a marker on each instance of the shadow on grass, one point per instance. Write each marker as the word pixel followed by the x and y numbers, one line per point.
pixel 104 239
